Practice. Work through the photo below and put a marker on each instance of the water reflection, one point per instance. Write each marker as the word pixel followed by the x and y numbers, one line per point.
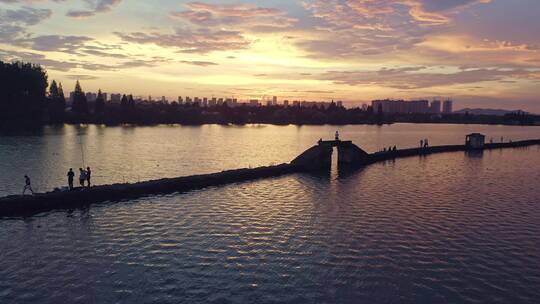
pixel 129 153
pixel 475 153
pixel 449 227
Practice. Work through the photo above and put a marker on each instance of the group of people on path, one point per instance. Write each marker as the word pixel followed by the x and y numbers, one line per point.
pixel 502 140
pixel 84 179
pixel 424 143
pixel 390 149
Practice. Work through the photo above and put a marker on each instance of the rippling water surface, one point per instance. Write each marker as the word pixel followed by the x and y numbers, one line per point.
pixel 446 228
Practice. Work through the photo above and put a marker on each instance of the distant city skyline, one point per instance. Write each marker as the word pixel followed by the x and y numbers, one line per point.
pixel 479 53
pixel 421 105
pixel 264 100
pixel 209 101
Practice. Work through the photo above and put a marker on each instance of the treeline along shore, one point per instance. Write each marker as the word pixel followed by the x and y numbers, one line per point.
pixel 20 205
pixel 26 97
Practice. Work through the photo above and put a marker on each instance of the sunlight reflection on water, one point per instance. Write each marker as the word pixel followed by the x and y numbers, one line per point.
pixel 451 227
pixel 130 154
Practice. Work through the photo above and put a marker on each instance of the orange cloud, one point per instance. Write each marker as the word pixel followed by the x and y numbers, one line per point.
pixel 245 15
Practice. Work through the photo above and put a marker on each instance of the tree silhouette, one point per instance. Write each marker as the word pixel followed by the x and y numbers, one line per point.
pixel 124 102
pixel 57 103
pixel 80 104
pixel 99 106
pixel 23 94
pixel 61 92
pixel 131 102
pixel 53 90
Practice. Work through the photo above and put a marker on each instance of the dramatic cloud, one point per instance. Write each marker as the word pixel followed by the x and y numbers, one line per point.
pixel 97 6
pixel 13 23
pixel 56 43
pixel 446 5
pixel 82 77
pixel 9 33
pixel 203 14
pixel 199 63
pixel 418 77
pixel 186 40
pixel 312 48
pixel 28 1
pixel 103 54
pixel 103 50
pixel 37 59
pixel 437 11
pixel 355 28
pixel 25 15
pixel 424 11
pixel 65 66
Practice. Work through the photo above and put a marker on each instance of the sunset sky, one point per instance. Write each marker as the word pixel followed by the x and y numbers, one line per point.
pixel 481 53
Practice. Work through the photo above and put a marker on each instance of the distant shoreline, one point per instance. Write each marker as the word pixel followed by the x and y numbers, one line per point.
pixel 117 124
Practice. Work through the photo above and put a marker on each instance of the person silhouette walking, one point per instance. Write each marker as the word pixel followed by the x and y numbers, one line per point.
pixel 27 185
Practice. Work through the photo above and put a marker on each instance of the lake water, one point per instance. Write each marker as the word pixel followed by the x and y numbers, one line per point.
pixel 446 228
pixel 130 154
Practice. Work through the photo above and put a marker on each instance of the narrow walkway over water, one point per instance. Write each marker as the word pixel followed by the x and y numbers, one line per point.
pixel 315 158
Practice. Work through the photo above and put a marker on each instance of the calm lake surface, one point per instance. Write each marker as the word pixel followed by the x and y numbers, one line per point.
pixel 446 228
pixel 131 154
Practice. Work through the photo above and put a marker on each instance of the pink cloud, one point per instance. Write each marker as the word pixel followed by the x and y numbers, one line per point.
pixel 246 15
pixel 187 40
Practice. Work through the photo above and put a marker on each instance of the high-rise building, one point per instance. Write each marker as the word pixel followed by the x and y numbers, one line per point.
pixel 90 97
pixel 448 106
pixel 180 100
pixel 418 106
pixel 274 100
pixel 71 97
pixel 400 106
pixel 435 107
pixel 286 103
pixel 115 98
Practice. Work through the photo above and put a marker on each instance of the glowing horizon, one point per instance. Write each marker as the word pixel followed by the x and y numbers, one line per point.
pixel 481 53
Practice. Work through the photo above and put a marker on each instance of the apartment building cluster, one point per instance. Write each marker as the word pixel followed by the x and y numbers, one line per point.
pixel 412 106
pixel 214 101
